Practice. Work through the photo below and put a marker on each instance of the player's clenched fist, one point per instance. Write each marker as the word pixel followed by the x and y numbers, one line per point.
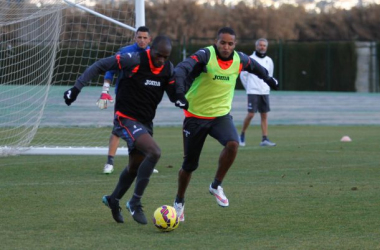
pixel 181 101
pixel 272 82
pixel 71 95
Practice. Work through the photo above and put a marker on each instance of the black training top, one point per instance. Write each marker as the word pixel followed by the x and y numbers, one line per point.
pixel 141 86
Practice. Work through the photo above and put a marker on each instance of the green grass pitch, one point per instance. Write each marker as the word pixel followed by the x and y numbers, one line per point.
pixel 311 191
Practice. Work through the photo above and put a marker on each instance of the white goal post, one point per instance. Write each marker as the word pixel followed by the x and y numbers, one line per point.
pixel 45 46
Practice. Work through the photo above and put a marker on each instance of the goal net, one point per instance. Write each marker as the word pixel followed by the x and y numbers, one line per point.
pixel 45 45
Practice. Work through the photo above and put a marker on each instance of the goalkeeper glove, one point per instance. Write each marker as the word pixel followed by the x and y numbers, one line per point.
pixel 104 97
pixel 71 95
pixel 181 101
pixel 272 82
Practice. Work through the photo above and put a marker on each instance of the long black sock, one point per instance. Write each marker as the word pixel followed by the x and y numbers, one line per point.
pixel 110 159
pixel 142 180
pixel 125 181
pixel 179 200
pixel 216 183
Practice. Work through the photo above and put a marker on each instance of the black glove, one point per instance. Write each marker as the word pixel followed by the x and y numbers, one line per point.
pixel 71 95
pixel 181 101
pixel 272 82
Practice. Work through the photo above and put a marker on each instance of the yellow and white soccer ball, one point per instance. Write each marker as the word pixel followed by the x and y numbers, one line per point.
pixel 165 218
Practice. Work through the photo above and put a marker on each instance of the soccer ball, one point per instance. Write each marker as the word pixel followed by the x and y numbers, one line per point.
pixel 165 218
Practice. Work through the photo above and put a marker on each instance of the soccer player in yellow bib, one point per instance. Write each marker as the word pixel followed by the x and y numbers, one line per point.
pixel 205 84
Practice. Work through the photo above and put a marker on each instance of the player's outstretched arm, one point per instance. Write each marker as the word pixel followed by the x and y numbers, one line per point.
pixel 109 63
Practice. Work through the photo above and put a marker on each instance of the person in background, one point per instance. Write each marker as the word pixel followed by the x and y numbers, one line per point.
pixel 205 84
pixel 142 39
pixel 258 93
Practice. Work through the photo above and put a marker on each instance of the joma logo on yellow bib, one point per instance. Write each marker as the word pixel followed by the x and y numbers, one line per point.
pixel 223 78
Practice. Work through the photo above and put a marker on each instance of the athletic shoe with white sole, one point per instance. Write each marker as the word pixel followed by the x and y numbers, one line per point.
pixel 108 169
pixel 221 198
pixel 180 210
pixel 137 213
pixel 115 208
pixel 267 143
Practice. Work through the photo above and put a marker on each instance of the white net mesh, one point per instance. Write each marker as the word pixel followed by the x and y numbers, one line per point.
pixel 45 46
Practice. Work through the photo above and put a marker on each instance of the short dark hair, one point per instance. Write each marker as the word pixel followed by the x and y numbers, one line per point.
pixel 161 39
pixel 142 29
pixel 227 30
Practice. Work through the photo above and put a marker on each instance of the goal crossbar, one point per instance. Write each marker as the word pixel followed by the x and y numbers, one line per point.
pixel 100 15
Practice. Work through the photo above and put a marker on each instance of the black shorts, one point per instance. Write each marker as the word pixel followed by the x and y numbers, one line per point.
pixel 258 103
pixel 129 130
pixel 195 131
